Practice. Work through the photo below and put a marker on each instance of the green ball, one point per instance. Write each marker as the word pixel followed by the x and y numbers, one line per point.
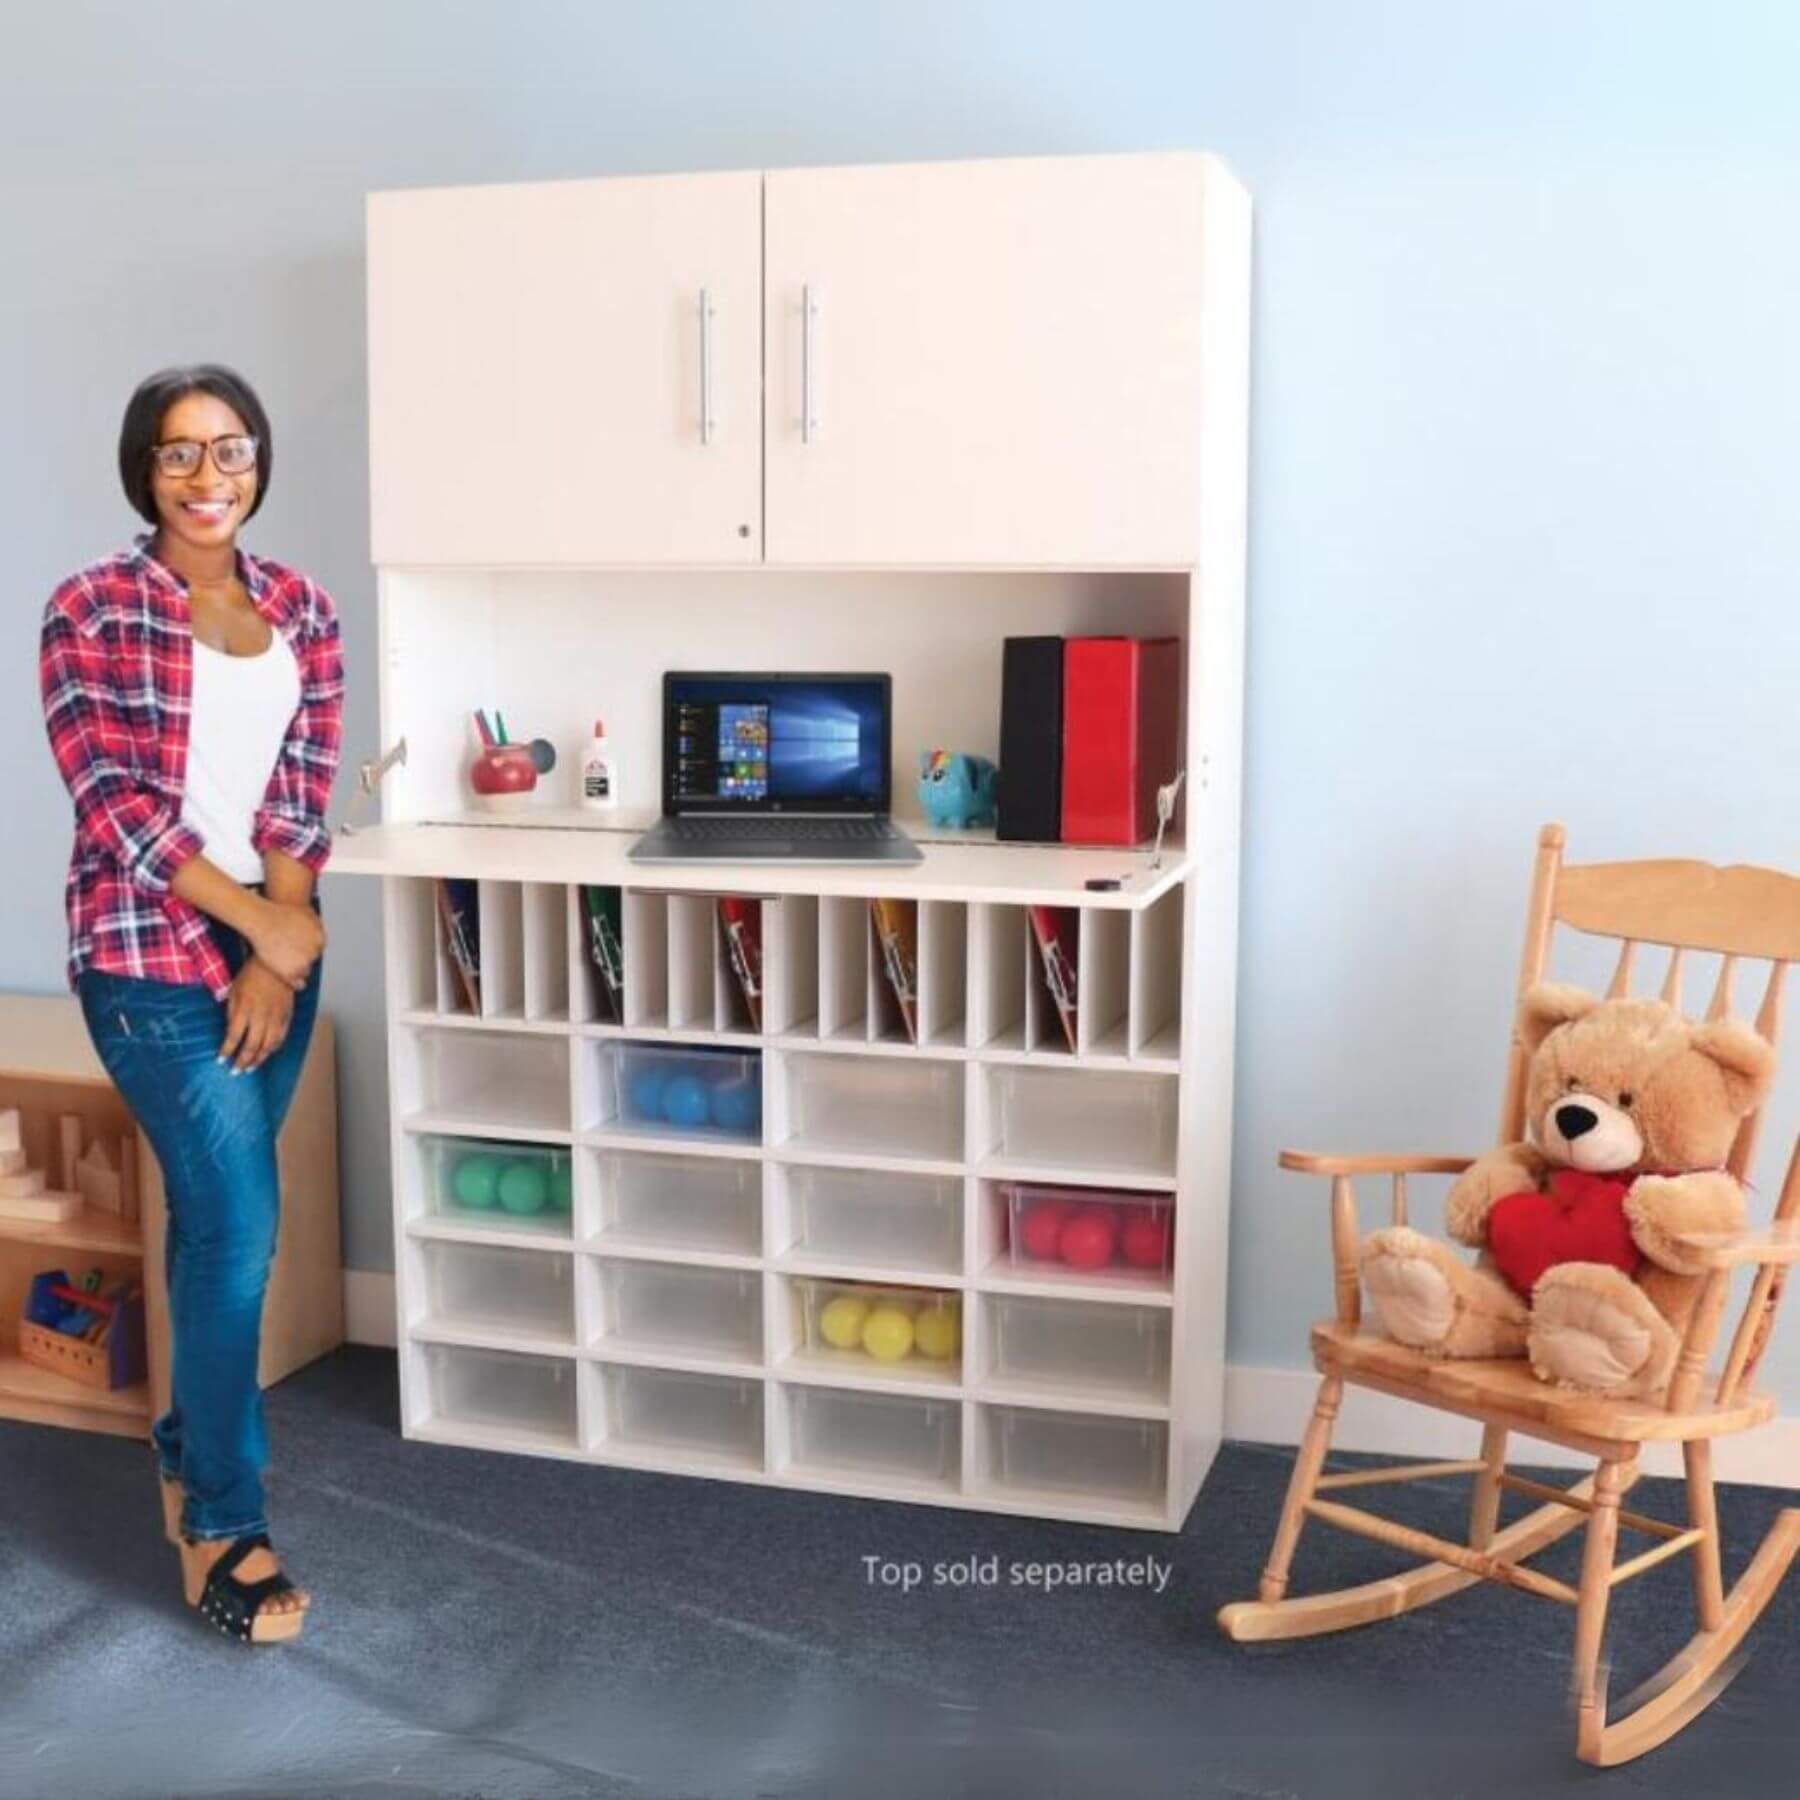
pixel 523 1188
pixel 562 1185
pixel 475 1179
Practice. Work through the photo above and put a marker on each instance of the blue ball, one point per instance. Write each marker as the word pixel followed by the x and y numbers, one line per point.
pixel 736 1105
pixel 684 1101
pixel 645 1092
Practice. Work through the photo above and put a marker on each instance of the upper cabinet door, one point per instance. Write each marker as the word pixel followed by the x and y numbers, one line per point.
pixel 567 372
pixel 986 362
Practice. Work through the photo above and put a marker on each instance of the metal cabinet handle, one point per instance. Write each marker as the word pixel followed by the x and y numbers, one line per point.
pixel 708 424
pixel 809 411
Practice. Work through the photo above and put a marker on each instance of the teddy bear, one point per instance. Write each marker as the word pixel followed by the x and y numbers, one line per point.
pixel 1631 1110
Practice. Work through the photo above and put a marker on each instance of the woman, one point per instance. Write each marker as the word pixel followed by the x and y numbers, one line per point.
pixel 193 696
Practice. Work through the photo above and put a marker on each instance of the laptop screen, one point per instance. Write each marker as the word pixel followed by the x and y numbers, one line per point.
pixel 776 743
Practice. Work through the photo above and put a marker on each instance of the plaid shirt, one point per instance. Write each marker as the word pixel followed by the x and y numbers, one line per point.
pixel 115 668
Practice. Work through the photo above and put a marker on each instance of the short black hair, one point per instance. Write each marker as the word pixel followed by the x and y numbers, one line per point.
pixel 142 426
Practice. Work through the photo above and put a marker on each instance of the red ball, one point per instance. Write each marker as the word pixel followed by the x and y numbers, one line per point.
pixel 1089 1238
pixel 1040 1227
pixel 1145 1239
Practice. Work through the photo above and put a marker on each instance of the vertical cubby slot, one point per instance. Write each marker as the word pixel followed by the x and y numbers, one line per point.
pixel 456 905
pixel 1024 1449
pixel 596 955
pixel 492 1184
pixel 1103 970
pixel 711 1204
pixel 943 972
pixel 874 1106
pixel 546 917
pixel 502 950
pixel 1156 976
pixel 843 968
pixel 479 1079
pixel 998 947
pixel 834 1432
pixel 893 964
pixel 676 1309
pixel 700 1094
pixel 646 918
pixel 691 947
pixel 1052 978
pixel 413 942
pixel 869 1218
pixel 1099 1349
pixel 1122 1122
pixel 740 963
pixel 791 965
pixel 525 1294
pixel 712 1419
pixel 512 1399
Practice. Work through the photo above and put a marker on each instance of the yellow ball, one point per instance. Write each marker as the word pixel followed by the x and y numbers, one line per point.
pixel 937 1332
pixel 887 1333
pixel 841 1321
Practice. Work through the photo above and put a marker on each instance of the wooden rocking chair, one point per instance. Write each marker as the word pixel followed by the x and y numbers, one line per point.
pixel 1739 913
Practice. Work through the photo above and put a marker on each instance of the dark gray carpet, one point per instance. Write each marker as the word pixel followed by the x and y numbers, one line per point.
pixel 506 1626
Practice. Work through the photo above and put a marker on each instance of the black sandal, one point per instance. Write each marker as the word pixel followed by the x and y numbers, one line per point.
pixel 236 1606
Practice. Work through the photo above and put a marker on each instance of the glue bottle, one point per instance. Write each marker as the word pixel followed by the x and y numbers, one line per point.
pixel 599 773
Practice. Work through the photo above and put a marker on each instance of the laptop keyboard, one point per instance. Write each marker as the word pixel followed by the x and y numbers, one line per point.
pixel 790 827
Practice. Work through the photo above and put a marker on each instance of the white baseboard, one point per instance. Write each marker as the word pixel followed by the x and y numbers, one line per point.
pixel 1271 1406
pixel 369 1313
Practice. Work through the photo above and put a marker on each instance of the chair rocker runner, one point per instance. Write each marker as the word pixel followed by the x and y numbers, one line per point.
pixel 1738 914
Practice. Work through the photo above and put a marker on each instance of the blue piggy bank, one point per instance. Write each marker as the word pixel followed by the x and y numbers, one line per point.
pixel 956 790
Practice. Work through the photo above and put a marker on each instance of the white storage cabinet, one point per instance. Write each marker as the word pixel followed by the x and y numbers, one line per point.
pixel 1027 385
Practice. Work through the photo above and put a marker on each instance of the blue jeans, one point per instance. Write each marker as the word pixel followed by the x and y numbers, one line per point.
pixel 214 1134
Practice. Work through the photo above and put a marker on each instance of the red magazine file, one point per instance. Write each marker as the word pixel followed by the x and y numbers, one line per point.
pixel 1121 736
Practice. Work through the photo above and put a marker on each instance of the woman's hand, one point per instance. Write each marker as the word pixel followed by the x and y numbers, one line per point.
pixel 258 1011
pixel 289 938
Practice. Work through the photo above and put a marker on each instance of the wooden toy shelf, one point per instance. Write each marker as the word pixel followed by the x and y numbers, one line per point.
pixel 842 419
pixel 49 1070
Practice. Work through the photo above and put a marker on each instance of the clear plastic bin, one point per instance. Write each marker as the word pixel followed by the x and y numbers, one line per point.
pixel 910 1331
pixel 479 1286
pixel 501 1392
pixel 1079 1231
pixel 864 1216
pixel 1078 1453
pixel 667 1306
pixel 684 1092
pixel 1090 1118
pixel 686 1202
pixel 516 1080
pixel 878 1105
pixel 869 1434
pixel 714 1416
pixel 487 1181
pixel 1096 1345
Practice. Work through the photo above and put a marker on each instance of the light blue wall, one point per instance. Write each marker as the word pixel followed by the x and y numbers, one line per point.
pixel 1525 539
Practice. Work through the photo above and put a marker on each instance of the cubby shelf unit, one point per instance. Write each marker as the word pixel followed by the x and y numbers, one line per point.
pixel 654 1316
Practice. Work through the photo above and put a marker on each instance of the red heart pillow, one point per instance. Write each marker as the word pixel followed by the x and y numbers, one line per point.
pixel 1581 1219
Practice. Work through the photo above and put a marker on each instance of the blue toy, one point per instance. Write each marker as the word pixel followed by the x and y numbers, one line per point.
pixel 736 1105
pixel 684 1101
pixel 646 1092
pixel 956 790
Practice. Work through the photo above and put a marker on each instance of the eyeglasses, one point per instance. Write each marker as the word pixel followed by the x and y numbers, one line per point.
pixel 233 455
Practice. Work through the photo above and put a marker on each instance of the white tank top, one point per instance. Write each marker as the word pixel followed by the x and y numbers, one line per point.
pixel 240 712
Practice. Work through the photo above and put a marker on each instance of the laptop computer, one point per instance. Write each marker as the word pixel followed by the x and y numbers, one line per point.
pixel 793 768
